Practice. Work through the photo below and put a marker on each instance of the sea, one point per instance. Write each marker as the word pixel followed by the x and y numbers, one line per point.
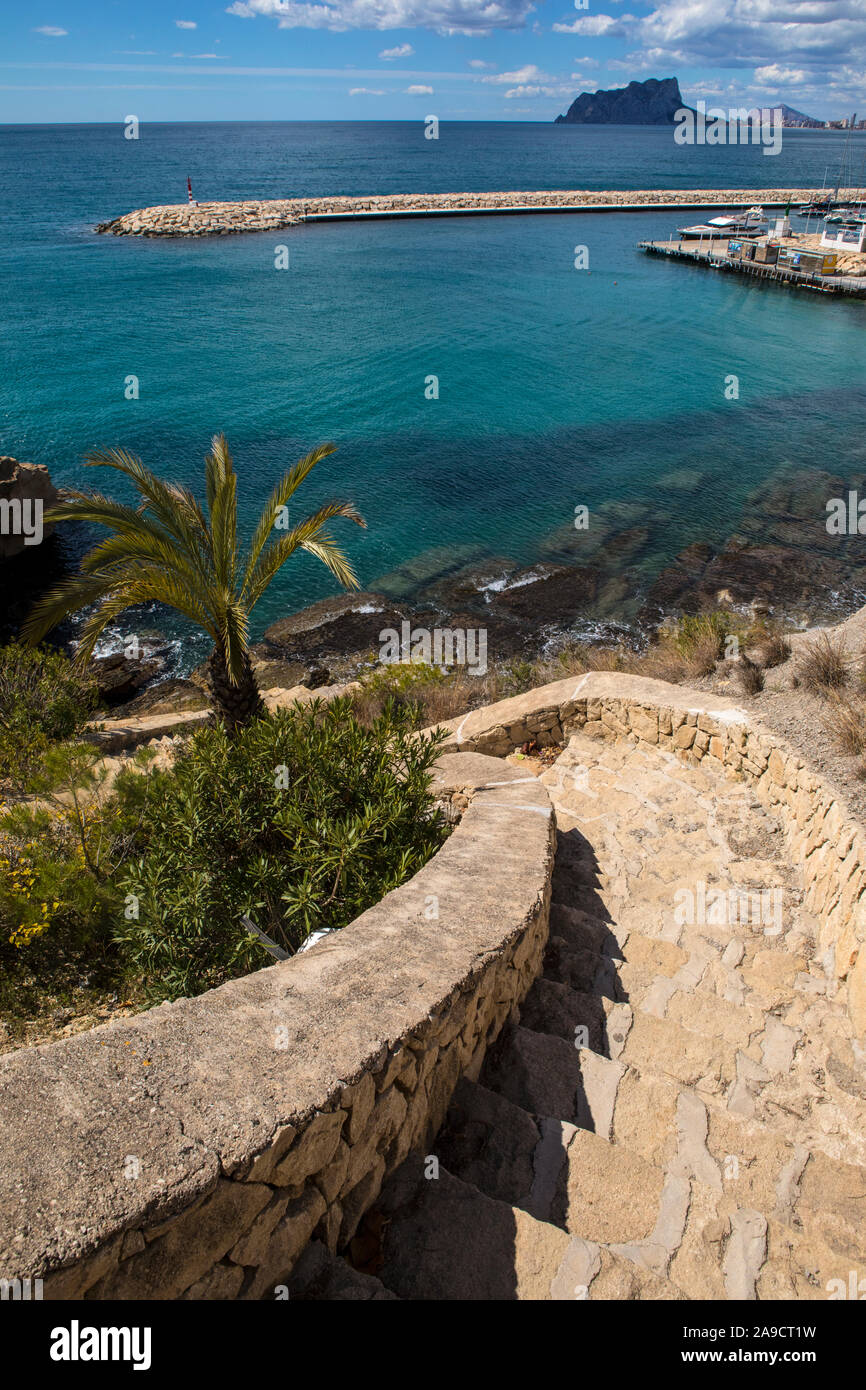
pixel 555 387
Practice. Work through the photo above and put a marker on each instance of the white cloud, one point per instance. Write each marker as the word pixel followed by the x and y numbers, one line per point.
pixel 365 92
pixel 186 24
pixel 586 62
pixel 206 55
pixel 443 16
pixel 774 74
pixel 403 50
pixel 417 91
pixel 594 26
pixel 480 63
pixel 529 73
pixel 51 31
pixel 529 81
pixel 815 36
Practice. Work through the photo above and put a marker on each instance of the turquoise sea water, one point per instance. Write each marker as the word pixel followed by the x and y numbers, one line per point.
pixel 556 386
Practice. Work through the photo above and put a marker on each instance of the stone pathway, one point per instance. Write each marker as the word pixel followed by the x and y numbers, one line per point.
pixel 681 1111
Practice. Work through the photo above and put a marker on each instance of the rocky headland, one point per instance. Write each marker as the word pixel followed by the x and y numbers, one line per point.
pixel 654 102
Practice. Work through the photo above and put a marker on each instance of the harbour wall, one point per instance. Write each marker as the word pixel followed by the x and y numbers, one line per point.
pixel 223 219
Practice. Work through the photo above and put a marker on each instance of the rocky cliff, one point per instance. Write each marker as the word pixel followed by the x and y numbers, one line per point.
pixel 653 102
pixel 26 491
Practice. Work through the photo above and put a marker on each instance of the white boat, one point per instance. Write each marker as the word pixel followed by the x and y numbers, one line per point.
pixel 751 221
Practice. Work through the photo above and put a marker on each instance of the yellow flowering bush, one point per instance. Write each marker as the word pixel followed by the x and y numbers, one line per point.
pixel 59 853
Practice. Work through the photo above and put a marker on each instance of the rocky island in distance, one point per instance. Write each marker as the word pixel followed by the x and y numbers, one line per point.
pixel 653 102
pixel 656 102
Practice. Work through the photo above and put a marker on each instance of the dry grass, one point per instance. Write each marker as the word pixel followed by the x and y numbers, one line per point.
pixel 772 649
pixel 824 665
pixel 750 676
pixel 685 651
pixel 845 719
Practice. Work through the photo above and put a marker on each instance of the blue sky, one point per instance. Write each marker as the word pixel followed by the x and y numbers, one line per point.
pixel 387 59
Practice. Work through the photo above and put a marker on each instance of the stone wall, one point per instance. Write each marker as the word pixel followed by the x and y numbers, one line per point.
pixel 192 1151
pixel 824 838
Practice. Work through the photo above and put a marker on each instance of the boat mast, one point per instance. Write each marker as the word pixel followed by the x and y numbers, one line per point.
pixel 843 164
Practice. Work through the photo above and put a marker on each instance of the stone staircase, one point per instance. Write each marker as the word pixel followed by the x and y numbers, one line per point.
pixel 681 1110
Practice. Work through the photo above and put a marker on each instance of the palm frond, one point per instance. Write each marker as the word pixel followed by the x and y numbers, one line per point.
pixel 137 585
pixel 174 506
pixel 222 498
pixel 288 484
pixel 271 561
pixel 235 640
pixel 326 549
pixel 145 549
pixel 66 597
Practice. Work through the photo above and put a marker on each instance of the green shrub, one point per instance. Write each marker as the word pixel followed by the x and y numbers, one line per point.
pixel 301 821
pixel 60 852
pixel 44 700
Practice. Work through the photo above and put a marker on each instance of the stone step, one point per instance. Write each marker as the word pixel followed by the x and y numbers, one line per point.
pixel 758 1065
pixel 552 1006
pixel 551 1169
pixel 321 1276
pixel 676 1129
pixel 696 987
pixel 705 1236
pixel 443 1239
pixel 581 928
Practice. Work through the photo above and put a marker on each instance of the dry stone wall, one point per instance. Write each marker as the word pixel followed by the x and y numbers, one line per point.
pixel 192 1151
pixel 824 837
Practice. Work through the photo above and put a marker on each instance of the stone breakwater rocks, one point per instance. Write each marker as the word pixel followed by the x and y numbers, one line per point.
pixel 222 219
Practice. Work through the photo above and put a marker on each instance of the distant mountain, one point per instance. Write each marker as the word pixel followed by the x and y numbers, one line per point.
pixel 653 102
pixel 790 117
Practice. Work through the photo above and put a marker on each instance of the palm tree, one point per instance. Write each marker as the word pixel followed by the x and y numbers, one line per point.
pixel 170 551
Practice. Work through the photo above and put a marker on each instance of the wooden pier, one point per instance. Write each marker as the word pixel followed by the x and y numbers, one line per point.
pixel 712 252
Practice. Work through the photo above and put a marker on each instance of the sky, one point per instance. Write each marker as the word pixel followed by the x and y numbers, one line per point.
pixel 176 60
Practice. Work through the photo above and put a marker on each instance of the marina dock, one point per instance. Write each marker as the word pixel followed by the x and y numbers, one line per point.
pixel 713 255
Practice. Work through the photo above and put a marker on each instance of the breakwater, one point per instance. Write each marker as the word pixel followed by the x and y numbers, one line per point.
pixel 223 219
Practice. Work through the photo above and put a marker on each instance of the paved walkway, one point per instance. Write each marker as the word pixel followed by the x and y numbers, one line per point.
pixel 681 1111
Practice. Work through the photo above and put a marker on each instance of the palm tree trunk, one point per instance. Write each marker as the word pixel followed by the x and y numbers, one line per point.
pixel 235 705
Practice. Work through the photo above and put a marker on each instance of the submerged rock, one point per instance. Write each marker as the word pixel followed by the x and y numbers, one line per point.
pixel 794 581
pixel 346 625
